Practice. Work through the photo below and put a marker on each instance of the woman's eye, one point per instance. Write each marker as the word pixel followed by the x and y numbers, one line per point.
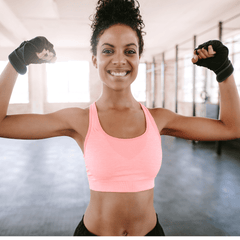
pixel 107 51
pixel 131 52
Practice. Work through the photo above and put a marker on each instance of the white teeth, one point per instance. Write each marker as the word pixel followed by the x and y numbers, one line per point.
pixel 119 74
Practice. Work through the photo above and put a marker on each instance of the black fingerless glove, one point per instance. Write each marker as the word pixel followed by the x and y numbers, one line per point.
pixel 26 53
pixel 220 63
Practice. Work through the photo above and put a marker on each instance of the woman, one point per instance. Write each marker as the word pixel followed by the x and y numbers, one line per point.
pixel 119 137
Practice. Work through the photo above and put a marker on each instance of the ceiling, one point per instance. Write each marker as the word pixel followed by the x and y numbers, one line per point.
pixel 66 22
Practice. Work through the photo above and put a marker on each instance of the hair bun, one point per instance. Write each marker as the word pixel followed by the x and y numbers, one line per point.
pixel 111 12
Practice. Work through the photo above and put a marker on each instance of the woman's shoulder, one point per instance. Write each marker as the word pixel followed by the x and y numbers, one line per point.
pixel 160 116
pixel 158 112
pixel 76 112
pixel 78 118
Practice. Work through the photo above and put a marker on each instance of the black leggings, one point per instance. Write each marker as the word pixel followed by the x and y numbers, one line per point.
pixel 81 230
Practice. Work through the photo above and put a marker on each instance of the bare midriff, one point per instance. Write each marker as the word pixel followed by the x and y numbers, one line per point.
pixel 120 214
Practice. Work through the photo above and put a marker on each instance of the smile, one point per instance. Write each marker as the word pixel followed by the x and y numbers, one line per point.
pixel 119 74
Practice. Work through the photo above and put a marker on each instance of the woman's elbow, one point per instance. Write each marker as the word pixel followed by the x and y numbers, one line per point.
pixel 236 133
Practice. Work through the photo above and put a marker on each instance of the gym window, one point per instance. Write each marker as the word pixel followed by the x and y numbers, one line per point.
pixel 68 82
pixel 188 78
pixel 138 87
pixel 20 92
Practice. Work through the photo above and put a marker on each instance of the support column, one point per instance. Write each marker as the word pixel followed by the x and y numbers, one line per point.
pixel 219 143
pixel 194 81
pixel 153 83
pixel 163 80
pixel 176 80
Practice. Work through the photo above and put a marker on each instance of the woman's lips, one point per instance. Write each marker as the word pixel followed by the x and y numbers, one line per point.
pixel 118 73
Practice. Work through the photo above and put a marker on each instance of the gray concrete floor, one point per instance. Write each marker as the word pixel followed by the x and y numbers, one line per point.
pixel 44 188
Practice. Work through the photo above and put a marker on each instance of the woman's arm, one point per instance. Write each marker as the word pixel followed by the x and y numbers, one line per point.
pixel 230 105
pixel 204 129
pixel 33 126
pixel 7 82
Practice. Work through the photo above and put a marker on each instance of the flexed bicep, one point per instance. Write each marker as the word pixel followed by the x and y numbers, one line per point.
pixel 39 126
pixel 195 128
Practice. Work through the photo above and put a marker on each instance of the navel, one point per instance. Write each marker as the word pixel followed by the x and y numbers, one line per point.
pixel 125 233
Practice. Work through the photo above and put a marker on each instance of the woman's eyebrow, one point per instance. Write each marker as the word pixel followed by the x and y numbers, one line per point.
pixel 108 45
pixel 130 44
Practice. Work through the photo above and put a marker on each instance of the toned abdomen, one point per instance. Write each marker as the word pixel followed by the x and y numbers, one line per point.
pixel 118 214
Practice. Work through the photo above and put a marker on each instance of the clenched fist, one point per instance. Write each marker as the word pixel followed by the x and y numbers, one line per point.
pixel 214 56
pixel 36 50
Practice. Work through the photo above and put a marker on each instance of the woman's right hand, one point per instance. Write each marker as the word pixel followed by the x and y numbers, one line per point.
pixel 36 50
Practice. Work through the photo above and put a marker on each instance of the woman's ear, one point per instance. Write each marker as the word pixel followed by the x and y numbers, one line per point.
pixel 94 60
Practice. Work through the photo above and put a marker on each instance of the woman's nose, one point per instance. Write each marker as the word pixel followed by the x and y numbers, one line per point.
pixel 119 59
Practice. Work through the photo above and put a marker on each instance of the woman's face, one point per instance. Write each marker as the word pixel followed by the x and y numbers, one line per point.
pixel 117 57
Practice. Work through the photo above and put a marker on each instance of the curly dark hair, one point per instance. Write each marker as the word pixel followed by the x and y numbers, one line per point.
pixel 111 12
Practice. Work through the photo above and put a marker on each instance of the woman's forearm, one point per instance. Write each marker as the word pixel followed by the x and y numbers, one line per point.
pixel 230 104
pixel 7 81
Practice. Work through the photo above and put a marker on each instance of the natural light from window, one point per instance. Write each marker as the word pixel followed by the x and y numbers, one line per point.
pixel 20 92
pixel 138 87
pixel 68 82
pixel 188 75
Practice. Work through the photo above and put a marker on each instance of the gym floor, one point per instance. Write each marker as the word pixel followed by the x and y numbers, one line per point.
pixel 44 188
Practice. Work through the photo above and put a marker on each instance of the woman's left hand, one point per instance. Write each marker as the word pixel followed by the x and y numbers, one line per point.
pixel 203 53
pixel 214 56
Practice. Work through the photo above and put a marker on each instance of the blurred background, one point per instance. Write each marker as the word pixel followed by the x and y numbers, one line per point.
pixel 166 78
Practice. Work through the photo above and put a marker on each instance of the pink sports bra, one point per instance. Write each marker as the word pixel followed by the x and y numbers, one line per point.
pixel 122 165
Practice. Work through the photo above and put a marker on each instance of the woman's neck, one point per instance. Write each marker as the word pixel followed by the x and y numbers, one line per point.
pixel 117 99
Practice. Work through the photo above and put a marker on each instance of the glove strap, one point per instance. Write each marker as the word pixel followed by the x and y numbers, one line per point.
pixel 17 63
pixel 225 71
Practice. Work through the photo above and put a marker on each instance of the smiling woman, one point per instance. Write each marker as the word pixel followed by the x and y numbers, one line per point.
pixel 119 136
pixel 117 57
pixel 122 184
